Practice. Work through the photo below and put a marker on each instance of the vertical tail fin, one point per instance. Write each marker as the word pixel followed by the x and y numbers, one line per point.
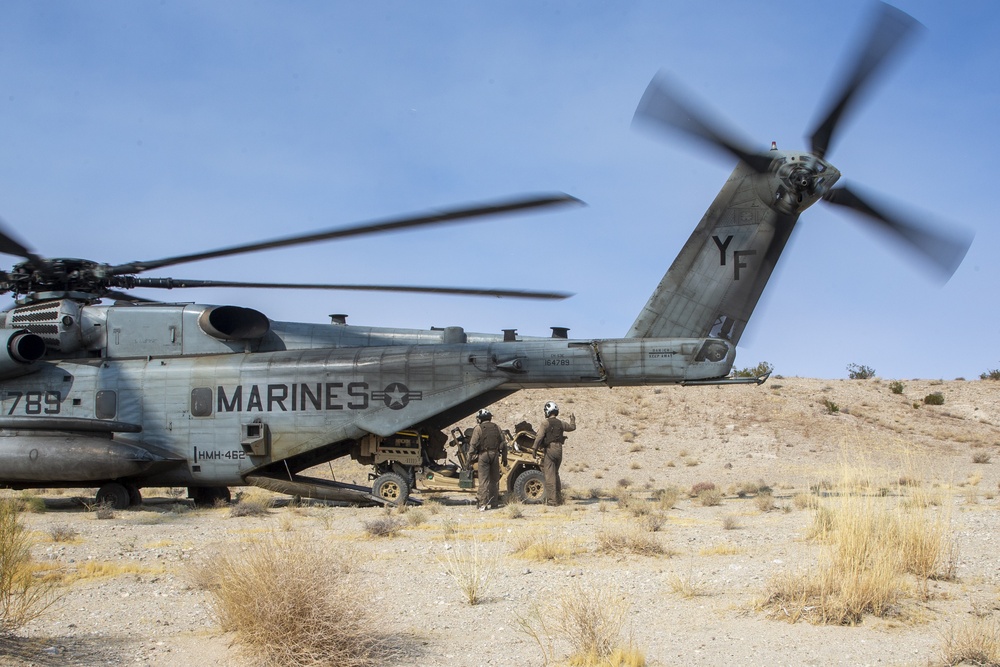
pixel 712 287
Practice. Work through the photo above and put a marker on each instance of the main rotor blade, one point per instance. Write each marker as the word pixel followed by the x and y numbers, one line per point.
pixel 663 106
pixel 946 252
pixel 11 246
pixel 890 29
pixel 172 283
pixel 379 226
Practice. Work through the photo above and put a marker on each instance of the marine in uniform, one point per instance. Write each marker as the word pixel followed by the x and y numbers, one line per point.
pixel 550 439
pixel 487 443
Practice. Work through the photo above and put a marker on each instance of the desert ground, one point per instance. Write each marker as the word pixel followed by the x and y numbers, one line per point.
pixel 694 578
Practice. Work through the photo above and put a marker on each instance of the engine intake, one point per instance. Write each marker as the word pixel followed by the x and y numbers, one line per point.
pixel 21 350
pixel 234 323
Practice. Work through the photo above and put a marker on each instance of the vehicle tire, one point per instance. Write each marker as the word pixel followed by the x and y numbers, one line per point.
pixel 134 495
pixel 391 487
pixel 115 495
pixel 529 487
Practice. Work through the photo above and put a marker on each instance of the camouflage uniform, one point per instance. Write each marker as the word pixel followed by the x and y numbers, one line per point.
pixel 550 439
pixel 487 442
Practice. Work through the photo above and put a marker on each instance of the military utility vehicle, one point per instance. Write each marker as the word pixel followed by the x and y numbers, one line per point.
pixel 410 461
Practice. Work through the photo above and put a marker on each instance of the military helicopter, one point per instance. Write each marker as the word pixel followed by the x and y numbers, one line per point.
pixel 137 393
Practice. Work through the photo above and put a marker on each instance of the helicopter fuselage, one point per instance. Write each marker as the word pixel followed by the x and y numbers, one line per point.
pixel 207 406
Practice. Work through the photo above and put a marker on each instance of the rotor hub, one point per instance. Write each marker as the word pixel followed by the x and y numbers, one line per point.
pixel 796 180
pixel 61 275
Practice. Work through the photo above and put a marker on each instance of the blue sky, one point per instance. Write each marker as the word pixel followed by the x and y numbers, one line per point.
pixel 138 130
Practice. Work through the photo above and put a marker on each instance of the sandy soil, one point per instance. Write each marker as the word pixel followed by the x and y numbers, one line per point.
pixel 695 604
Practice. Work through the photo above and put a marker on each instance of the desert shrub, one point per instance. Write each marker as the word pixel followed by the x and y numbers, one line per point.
pixel 666 498
pixel 751 488
pixel 760 370
pixel 63 533
pixel 473 566
pixel 860 372
pixel 934 398
pixel 23 597
pixel 591 621
pixel 981 457
pixel 991 374
pixel 29 502
pixel 896 387
pixel 291 601
pixel 831 407
pixel 710 497
pixel 698 487
pixel 805 501
pixel 730 522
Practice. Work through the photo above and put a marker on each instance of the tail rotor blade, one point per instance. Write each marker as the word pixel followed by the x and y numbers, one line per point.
pixel 889 30
pixel 945 251
pixel 664 106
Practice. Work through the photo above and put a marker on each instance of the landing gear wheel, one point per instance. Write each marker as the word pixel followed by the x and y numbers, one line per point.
pixel 529 487
pixel 208 496
pixel 134 496
pixel 391 487
pixel 115 495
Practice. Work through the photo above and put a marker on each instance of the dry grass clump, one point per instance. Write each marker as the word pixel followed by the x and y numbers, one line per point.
pixel 289 601
pixel 30 503
pixel 541 546
pixel 103 511
pixel 415 517
pixel 93 569
pixel 875 546
pixel 384 526
pixel 63 534
pixel 804 501
pixel 514 509
pixel 473 566
pixel 253 502
pixel 591 621
pixel 973 643
pixel 686 585
pixel 23 597
pixel 765 502
pixel 630 539
pixel 653 521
